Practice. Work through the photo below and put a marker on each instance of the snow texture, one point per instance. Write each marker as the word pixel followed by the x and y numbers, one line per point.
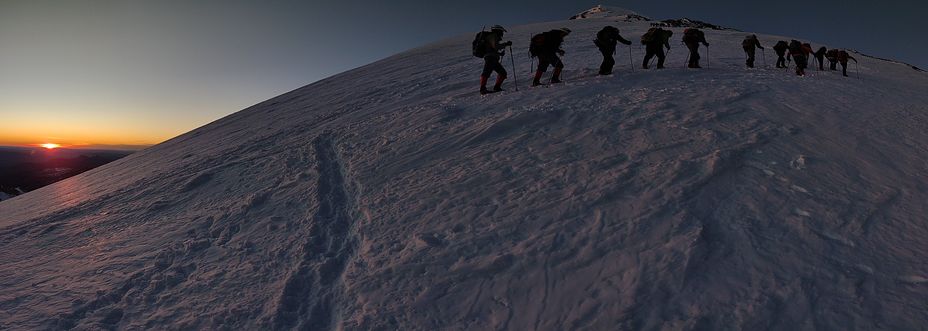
pixel 394 197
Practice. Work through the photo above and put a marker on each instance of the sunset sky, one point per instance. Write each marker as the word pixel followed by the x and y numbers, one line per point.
pixel 117 73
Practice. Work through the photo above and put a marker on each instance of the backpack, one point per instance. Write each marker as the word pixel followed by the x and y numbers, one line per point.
pixel 821 52
pixel 607 33
pixel 651 35
pixel 795 47
pixel 479 46
pixel 536 45
pixel 606 37
pixel 748 42
pixel 843 56
pixel 603 35
pixel 692 35
pixel 780 45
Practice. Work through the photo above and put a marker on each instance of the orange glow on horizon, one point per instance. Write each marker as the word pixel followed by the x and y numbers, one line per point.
pixel 108 124
pixel 77 129
pixel 74 138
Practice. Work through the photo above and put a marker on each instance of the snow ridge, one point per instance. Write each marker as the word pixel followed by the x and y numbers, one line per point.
pixel 888 60
pixel 689 23
pixel 610 12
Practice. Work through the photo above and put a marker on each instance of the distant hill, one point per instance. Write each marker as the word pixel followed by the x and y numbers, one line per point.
pixel 23 169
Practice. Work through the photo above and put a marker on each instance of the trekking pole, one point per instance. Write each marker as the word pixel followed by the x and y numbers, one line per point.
pixel 685 63
pixel 515 74
pixel 857 65
pixel 707 56
pixel 630 63
pixel 531 68
pixel 763 52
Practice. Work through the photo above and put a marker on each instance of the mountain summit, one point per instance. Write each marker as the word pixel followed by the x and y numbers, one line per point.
pixel 610 12
pixel 394 197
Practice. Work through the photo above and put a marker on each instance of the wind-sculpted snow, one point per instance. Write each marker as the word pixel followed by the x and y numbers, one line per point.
pixel 394 197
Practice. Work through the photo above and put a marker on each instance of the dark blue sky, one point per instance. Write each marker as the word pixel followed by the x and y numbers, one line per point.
pixel 148 70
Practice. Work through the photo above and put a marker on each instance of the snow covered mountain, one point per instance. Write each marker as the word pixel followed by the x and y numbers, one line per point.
pixel 610 12
pixel 394 197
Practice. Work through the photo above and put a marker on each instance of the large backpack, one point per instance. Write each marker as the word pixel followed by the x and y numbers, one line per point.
pixel 652 35
pixel 795 47
pixel 692 35
pixel 821 52
pixel 843 56
pixel 537 45
pixel 607 33
pixel 606 37
pixel 781 45
pixel 479 46
pixel 602 36
pixel 748 42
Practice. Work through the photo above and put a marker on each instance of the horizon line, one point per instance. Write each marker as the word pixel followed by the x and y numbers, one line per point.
pixel 127 147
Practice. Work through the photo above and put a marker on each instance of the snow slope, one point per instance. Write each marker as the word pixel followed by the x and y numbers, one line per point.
pixel 393 197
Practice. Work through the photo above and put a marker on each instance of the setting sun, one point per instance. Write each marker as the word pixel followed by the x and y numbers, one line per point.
pixel 50 146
